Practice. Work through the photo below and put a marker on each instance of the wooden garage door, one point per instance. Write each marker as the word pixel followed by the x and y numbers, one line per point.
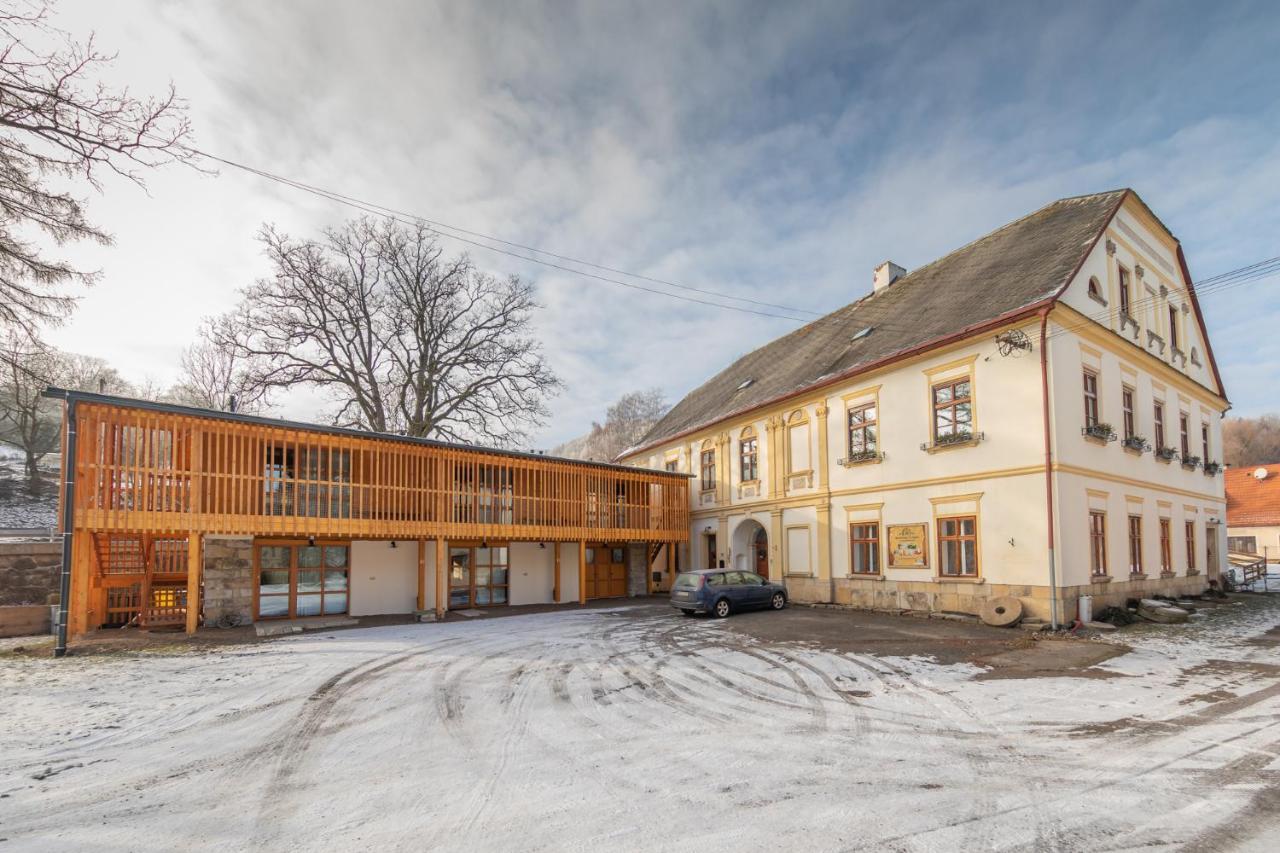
pixel 606 571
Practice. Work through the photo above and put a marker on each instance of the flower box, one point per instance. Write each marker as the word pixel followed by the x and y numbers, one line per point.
pixel 1099 431
pixel 1137 443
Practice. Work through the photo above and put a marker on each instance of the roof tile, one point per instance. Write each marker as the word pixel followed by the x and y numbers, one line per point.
pixel 1014 266
pixel 1252 502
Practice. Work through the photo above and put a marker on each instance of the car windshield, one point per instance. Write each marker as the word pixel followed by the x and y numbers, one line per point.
pixel 686 580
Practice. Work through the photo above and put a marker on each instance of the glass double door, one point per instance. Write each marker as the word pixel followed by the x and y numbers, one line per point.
pixel 301 579
pixel 478 575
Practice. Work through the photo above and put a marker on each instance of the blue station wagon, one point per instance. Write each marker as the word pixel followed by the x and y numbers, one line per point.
pixel 724 591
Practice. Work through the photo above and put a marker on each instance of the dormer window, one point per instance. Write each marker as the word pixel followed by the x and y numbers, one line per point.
pixel 746 383
pixel 861 333
pixel 1095 290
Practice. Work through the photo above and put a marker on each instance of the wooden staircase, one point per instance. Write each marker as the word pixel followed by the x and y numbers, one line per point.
pixel 153 565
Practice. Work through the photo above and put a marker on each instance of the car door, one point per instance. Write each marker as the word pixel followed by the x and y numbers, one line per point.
pixel 756 590
pixel 736 590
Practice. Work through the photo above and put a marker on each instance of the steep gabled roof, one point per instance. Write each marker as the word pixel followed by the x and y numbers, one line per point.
pixel 1024 263
pixel 1252 502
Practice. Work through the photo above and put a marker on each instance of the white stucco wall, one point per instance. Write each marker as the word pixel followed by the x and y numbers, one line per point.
pixel 1268 537
pixel 385 579
pixel 532 572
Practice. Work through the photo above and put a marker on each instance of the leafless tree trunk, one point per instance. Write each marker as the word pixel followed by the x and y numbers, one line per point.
pixel 406 340
pixel 56 122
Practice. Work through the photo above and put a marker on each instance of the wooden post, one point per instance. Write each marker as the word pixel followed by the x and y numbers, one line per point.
pixel 422 574
pixel 671 562
pixel 442 580
pixel 555 589
pixel 582 572
pixel 195 555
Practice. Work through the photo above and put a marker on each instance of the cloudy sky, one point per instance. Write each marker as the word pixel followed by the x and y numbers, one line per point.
pixel 771 151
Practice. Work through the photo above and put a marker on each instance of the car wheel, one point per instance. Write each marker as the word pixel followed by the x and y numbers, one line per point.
pixel 778 601
pixel 722 608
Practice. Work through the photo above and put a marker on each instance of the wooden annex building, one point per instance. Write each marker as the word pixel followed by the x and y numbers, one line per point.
pixel 187 517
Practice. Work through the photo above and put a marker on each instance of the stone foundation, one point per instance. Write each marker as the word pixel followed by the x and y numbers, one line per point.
pixel 228 581
pixel 935 596
pixel 807 590
pixel 29 572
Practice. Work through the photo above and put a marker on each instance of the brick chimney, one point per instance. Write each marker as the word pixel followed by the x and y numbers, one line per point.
pixel 885 275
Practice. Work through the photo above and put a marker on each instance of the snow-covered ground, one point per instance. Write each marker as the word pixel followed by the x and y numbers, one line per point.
pixel 633 729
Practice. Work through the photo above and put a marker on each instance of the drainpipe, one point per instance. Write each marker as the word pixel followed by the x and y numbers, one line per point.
pixel 1048 467
pixel 68 523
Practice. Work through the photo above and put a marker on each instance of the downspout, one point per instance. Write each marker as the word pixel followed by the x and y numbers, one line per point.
pixel 1048 466
pixel 68 523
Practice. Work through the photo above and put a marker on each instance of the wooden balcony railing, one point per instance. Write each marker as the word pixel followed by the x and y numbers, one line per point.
pixel 147 468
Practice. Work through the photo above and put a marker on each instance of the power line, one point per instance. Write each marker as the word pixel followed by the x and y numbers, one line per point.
pixel 1242 275
pixel 1222 281
pixel 1213 285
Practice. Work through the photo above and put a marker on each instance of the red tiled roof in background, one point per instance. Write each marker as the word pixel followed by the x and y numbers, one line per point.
pixel 1250 501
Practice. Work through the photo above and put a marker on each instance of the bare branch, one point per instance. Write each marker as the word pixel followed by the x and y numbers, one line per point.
pixel 403 338
pixel 56 122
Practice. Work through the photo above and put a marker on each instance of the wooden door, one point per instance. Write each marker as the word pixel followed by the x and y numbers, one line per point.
pixel 761 545
pixel 606 571
pixel 617 571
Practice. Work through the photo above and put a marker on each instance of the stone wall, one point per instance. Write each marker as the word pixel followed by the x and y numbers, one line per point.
pixel 637 568
pixel 228 581
pixel 936 596
pixel 29 572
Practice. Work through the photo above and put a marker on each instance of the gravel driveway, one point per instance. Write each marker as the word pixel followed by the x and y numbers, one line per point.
pixel 635 729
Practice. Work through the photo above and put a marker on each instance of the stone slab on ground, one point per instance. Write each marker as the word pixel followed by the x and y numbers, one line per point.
pixel 297 626
pixel 1101 626
pixel 1154 610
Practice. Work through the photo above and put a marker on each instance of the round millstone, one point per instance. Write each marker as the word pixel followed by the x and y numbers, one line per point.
pixel 1003 612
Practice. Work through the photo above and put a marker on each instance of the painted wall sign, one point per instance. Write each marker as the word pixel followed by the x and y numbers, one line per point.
pixel 908 546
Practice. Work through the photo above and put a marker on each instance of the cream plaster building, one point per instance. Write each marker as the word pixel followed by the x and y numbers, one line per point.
pixel 1036 414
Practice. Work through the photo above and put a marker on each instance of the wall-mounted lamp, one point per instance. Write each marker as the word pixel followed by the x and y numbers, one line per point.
pixel 393 543
pixel 484 544
pixel 542 546
pixel 311 540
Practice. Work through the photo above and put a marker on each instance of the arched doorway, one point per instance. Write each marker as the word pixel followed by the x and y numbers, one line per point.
pixel 760 552
pixel 750 547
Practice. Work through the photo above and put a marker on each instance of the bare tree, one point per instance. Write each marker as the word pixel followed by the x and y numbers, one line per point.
pixel 28 421
pixel 57 122
pixel 405 339
pixel 625 424
pixel 1251 441
pixel 215 376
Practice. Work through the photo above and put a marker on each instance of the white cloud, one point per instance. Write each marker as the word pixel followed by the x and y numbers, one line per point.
pixel 754 150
